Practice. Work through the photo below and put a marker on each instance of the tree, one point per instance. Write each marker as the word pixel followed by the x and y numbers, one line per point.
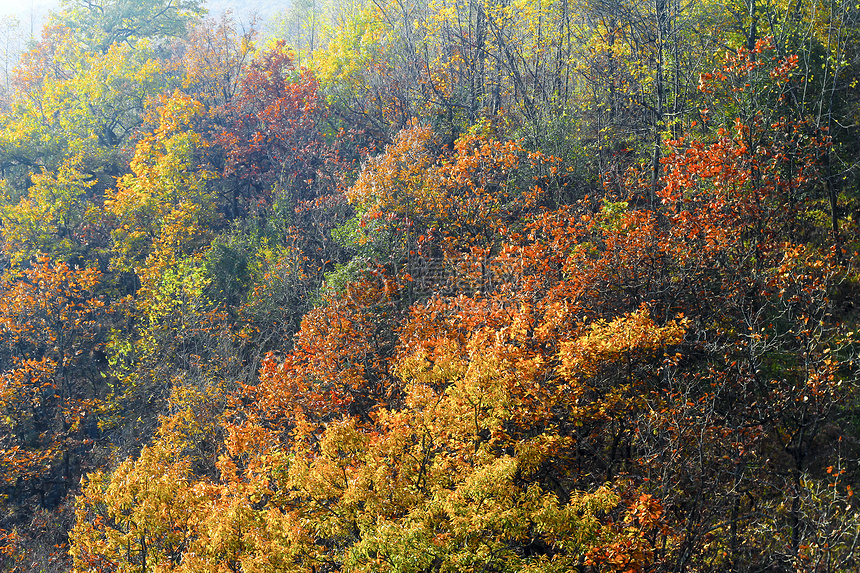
pixel 75 104
pixel 300 27
pixel 99 24
pixel 340 362
pixel 53 330
pixel 214 56
pixel 273 134
pixel 54 218
pixel 420 204
pixel 141 517
pixel 164 208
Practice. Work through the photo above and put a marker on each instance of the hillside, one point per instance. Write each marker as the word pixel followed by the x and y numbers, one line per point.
pixel 523 286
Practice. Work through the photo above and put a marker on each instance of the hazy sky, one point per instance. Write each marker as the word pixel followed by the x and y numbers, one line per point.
pixel 28 12
pixel 36 10
pixel 24 7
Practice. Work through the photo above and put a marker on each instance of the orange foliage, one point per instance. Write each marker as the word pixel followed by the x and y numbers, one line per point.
pixel 51 324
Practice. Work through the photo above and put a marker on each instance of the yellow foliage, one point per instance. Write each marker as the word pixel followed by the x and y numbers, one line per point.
pixel 605 342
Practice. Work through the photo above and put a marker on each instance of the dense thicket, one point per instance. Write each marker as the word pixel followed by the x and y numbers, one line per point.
pixel 433 286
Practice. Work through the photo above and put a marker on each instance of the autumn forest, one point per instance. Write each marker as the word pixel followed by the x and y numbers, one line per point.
pixel 432 286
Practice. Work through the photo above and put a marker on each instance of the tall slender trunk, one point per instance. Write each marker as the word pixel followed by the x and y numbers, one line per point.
pixel 659 120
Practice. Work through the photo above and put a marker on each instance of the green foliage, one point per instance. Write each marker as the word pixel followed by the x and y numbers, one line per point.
pixel 101 24
pixel 56 122
pixel 52 218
